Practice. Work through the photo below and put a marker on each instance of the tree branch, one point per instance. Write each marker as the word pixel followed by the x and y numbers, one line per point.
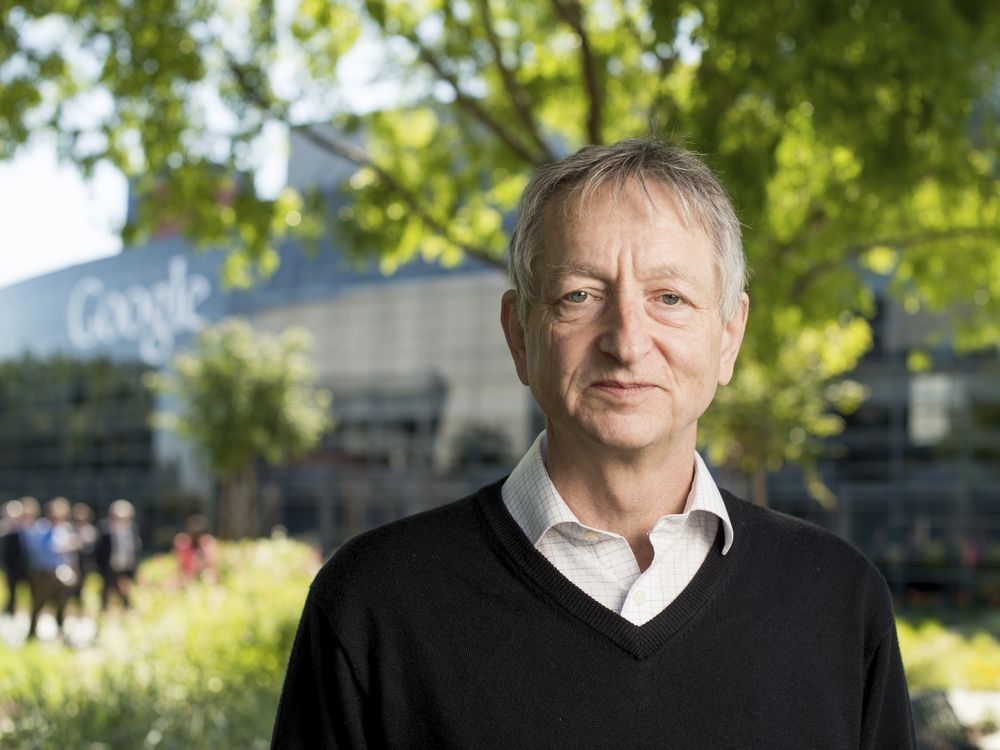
pixel 472 106
pixel 665 64
pixel 951 233
pixel 572 13
pixel 518 96
pixel 666 68
pixel 344 149
pixel 347 150
pixel 812 274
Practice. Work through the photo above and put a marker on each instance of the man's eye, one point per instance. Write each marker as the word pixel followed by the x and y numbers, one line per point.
pixel 578 296
pixel 670 299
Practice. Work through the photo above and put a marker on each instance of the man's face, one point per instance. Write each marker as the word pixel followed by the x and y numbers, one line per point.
pixel 624 344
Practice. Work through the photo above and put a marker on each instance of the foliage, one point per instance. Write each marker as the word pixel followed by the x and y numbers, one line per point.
pixel 245 395
pixel 941 655
pixel 859 141
pixel 200 666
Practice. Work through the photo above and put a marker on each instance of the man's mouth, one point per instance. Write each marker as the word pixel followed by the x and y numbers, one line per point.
pixel 622 387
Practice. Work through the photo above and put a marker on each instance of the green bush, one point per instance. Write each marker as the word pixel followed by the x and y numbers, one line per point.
pixel 201 666
pixel 940 654
pixel 196 666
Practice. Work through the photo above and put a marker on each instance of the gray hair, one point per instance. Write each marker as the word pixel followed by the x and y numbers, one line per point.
pixel 700 197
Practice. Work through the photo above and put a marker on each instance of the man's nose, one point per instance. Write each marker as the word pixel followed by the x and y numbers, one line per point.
pixel 626 335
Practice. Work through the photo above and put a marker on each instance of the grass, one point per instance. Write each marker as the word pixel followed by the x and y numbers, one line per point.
pixel 199 666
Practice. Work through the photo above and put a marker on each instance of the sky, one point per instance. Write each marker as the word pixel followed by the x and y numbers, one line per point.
pixel 50 218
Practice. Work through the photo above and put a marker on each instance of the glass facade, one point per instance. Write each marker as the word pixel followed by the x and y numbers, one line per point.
pixel 74 427
pixel 425 398
pixel 916 471
pixel 429 408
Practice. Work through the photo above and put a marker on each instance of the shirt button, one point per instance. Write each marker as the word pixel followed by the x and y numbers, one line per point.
pixel 591 536
pixel 639 599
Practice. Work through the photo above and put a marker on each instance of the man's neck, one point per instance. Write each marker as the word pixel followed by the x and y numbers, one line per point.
pixel 626 494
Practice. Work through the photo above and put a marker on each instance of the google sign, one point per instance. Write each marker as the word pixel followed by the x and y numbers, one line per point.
pixel 152 316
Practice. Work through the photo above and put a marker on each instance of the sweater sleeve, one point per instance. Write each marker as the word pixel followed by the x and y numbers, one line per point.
pixel 887 723
pixel 322 703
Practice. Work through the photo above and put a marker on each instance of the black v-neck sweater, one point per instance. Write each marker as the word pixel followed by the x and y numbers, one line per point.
pixel 449 630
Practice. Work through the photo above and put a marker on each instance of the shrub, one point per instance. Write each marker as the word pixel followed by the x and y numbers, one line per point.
pixel 937 654
pixel 199 666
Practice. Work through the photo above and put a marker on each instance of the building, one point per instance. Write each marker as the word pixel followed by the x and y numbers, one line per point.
pixel 429 407
pixel 423 385
pixel 916 471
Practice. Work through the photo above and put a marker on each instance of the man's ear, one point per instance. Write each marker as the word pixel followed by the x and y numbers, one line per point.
pixel 732 337
pixel 514 333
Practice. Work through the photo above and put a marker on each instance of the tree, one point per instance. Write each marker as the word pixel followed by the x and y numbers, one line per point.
pixel 244 396
pixel 859 140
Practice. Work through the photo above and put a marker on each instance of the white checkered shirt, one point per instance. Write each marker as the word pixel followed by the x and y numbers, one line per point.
pixel 601 563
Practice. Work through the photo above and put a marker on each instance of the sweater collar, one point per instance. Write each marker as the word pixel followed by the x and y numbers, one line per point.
pixel 640 641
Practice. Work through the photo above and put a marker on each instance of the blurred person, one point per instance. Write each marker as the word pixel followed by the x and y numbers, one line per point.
pixel 10 551
pixel 607 593
pixel 86 553
pixel 195 550
pixel 21 516
pixel 51 546
pixel 117 553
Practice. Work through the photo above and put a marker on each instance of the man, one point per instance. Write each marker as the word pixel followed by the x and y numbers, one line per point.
pixel 117 553
pixel 86 552
pixel 607 594
pixel 21 516
pixel 51 545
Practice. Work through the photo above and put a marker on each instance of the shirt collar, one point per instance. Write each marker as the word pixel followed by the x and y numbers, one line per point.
pixel 536 505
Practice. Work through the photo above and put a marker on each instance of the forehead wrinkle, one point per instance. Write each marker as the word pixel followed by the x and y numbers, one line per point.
pixel 556 272
pixel 573 203
pixel 668 271
pixel 560 271
pixel 653 196
pixel 568 208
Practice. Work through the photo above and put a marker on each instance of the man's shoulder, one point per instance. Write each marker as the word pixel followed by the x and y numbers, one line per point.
pixel 796 541
pixel 417 532
pixel 814 566
pixel 414 546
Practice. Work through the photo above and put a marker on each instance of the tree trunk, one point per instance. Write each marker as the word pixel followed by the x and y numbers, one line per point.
pixel 760 496
pixel 225 527
pixel 250 516
pixel 238 515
